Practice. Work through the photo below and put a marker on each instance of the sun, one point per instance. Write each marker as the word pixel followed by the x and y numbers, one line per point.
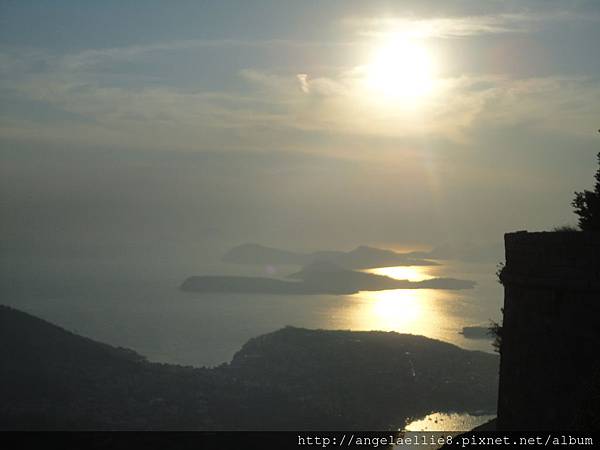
pixel 400 69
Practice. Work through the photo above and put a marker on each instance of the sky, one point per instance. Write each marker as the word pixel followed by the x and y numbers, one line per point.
pixel 165 130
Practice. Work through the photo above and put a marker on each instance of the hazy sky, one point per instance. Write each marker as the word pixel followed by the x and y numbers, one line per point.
pixel 160 128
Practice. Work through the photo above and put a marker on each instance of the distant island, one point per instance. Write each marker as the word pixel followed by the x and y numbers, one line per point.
pixel 320 277
pixel 293 378
pixel 477 332
pixel 362 257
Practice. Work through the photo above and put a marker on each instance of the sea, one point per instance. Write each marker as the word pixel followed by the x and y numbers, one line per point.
pixel 146 311
pixel 130 306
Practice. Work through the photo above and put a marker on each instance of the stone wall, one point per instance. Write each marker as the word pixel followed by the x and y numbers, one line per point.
pixel 550 358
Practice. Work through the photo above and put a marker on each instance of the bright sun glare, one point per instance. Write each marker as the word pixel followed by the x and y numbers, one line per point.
pixel 400 69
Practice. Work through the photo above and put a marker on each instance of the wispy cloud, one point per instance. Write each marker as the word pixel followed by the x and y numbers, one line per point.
pixel 459 26
pixel 272 104
pixel 92 57
pixel 560 103
pixel 277 104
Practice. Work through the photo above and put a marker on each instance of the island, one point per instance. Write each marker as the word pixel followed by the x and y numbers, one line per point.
pixel 477 332
pixel 362 257
pixel 321 277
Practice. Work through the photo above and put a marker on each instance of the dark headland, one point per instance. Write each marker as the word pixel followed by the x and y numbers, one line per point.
pixel 293 378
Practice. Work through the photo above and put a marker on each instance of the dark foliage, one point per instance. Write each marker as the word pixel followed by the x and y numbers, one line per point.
pixel 500 271
pixel 495 331
pixel 587 205
pixel 565 229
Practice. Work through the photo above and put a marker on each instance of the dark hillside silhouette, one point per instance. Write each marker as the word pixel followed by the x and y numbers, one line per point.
pixel 53 379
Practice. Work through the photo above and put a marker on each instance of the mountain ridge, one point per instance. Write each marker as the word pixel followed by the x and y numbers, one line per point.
pixel 361 257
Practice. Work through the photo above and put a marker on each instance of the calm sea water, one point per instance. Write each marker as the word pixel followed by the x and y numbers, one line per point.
pixel 150 315
pixel 439 426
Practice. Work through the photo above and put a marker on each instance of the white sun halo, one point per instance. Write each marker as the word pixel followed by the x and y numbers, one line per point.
pixel 400 69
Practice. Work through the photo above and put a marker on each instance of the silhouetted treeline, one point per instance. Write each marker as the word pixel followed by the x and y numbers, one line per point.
pixel 587 205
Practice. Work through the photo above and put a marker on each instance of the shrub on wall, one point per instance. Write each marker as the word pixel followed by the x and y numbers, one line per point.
pixel 587 206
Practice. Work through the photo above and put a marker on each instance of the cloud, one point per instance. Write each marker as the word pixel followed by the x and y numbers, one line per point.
pixel 277 105
pixel 437 27
pixel 88 59
pixel 284 106
pixel 340 104
pixel 459 26
pixel 303 80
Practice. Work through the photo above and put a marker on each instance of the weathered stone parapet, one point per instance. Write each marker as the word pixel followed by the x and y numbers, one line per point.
pixel 564 255
pixel 555 280
pixel 551 329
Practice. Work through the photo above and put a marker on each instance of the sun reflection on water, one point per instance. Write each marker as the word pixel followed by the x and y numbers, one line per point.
pixel 411 273
pixel 448 422
pixel 414 311
pixel 394 310
pixel 435 313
